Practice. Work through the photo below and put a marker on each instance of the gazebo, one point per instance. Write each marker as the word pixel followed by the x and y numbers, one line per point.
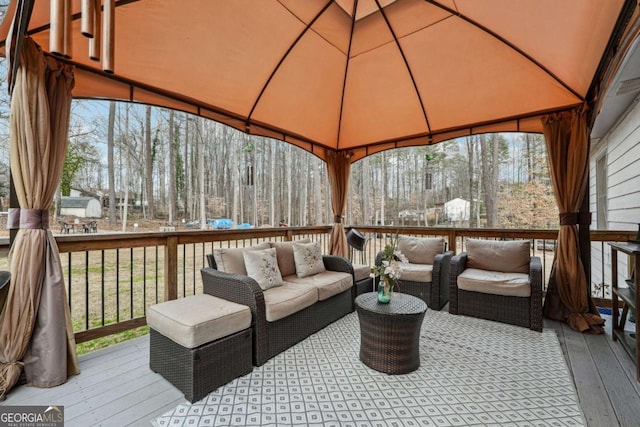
pixel 341 79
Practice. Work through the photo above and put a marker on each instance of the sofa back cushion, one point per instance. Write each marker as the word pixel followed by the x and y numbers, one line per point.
pixel 308 259
pixel 495 255
pixel 262 266
pixel 231 260
pixel 420 250
pixel 284 251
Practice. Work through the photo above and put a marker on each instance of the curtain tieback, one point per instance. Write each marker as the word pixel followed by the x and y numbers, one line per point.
pixel 31 219
pixel 575 218
pixel 337 218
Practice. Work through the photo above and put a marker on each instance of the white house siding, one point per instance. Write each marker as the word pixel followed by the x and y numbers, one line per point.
pixel 621 145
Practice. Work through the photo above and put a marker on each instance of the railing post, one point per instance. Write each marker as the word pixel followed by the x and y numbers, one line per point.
pixel 171 268
pixel 452 240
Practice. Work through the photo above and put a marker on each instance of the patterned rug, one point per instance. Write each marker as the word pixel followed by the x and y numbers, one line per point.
pixel 472 372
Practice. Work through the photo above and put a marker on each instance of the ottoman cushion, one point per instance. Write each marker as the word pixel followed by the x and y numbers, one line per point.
pixel 198 319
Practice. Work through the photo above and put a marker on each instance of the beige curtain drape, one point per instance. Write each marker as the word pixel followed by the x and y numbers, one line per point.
pixel 35 326
pixel 568 298
pixel 339 170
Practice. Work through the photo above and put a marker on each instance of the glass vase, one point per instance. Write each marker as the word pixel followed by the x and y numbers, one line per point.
pixel 385 290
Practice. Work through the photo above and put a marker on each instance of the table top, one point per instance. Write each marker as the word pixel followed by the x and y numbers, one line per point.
pixel 400 304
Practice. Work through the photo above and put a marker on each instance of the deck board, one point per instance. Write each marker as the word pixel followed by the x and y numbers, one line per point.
pixel 116 386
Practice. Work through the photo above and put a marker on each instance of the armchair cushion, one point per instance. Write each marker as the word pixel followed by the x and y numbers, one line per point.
pixel 308 259
pixel 328 283
pixel 286 262
pixel 283 301
pixel 503 256
pixel 416 272
pixel 420 250
pixel 231 260
pixel 262 266
pixel 361 272
pixel 494 282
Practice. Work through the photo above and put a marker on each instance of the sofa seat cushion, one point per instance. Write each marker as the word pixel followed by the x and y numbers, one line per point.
pixel 361 272
pixel 287 299
pixel 495 282
pixel 328 283
pixel 416 272
pixel 198 319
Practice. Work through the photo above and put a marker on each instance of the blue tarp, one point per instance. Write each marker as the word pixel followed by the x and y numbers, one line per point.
pixel 245 225
pixel 222 223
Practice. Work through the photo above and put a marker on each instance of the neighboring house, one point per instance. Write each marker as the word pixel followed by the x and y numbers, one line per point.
pixel 614 190
pixel 80 207
pixel 457 210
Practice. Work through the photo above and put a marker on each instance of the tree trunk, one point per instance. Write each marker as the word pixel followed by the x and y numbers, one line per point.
pixel 149 164
pixel 111 164
pixel 289 173
pixel 172 169
pixel 203 210
pixel 317 192
pixel 273 184
pixel 472 203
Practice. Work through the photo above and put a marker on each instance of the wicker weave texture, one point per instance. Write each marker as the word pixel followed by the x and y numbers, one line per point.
pixel 390 333
pixel 198 371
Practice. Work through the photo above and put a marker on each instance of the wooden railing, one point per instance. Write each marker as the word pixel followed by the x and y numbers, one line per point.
pixel 113 277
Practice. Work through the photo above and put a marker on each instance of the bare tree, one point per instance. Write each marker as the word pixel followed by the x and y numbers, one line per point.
pixel 148 164
pixel 111 164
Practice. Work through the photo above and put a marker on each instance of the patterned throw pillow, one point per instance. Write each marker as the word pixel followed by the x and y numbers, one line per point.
pixel 308 258
pixel 262 266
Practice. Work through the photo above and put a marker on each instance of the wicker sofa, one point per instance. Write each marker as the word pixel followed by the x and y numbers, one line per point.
pixel 498 280
pixel 426 275
pixel 275 328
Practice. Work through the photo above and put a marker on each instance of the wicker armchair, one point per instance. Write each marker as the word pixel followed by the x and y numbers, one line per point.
pixel 426 276
pixel 511 294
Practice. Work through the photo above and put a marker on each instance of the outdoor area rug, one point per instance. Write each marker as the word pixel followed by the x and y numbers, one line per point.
pixel 472 372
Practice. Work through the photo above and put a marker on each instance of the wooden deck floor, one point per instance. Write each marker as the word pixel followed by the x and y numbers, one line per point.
pixel 116 387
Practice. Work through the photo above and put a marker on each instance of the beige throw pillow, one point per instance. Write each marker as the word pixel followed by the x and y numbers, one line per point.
pixel 230 260
pixel 308 259
pixel 494 255
pixel 420 250
pixel 262 266
pixel 284 250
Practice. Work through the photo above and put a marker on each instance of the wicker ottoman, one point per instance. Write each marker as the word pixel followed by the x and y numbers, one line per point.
pixel 199 343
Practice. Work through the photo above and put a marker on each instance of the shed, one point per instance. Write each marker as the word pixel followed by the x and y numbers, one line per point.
pixel 81 207
pixel 457 210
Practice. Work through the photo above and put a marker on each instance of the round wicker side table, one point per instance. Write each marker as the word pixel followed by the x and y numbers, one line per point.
pixel 390 333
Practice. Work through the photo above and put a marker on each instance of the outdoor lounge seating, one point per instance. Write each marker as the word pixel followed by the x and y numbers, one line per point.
pixel 290 308
pixel 426 275
pixel 199 343
pixel 498 280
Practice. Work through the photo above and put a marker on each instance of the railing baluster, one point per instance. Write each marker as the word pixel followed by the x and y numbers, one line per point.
pixel 131 283
pixel 102 286
pixel 118 285
pixel 144 280
pixel 69 276
pixel 86 289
